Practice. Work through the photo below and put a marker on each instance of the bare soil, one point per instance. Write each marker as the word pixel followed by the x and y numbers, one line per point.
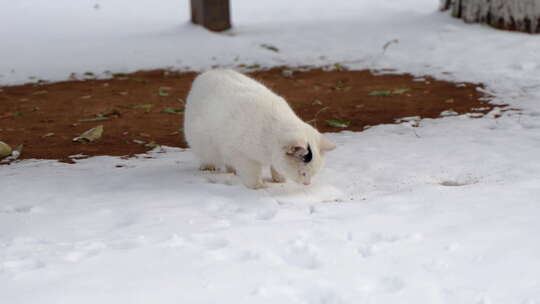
pixel 145 107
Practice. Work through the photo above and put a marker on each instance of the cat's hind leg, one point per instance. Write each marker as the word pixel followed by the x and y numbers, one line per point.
pixel 230 169
pixel 250 173
pixel 209 160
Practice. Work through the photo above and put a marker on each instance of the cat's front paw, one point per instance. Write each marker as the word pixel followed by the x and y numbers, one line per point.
pixel 207 167
pixel 256 185
pixel 277 177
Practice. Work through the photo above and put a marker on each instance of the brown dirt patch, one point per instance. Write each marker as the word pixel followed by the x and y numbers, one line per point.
pixel 45 117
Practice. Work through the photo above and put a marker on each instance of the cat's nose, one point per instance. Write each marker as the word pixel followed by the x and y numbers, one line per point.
pixel 307 183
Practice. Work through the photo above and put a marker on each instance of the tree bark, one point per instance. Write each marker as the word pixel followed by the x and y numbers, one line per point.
pixel 212 14
pixel 514 15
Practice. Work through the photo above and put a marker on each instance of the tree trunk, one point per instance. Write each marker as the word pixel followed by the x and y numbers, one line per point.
pixel 212 14
pixel 514 15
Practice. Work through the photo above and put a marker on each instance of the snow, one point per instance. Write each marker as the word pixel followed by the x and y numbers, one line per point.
pixel 445 212
pixel 393 218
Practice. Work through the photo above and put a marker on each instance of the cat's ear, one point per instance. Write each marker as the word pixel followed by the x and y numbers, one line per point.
pixel 296 151
pixel 296 148
pixel 326 145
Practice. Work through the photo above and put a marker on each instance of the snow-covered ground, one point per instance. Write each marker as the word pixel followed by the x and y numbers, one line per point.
pixel 444 213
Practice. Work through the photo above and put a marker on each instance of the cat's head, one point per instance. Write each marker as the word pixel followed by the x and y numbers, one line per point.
pixel 301 156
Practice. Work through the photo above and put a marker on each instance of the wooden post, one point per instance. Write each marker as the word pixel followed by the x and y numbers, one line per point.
pixel 212 14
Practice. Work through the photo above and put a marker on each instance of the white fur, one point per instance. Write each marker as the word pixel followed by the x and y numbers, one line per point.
pixel 232 121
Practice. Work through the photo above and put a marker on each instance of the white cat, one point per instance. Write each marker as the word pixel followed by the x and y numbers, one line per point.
pixel 232 121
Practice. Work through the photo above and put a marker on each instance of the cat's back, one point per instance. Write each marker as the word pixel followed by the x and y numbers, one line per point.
pixel 221 95
pixel 226 110
pixel 227 86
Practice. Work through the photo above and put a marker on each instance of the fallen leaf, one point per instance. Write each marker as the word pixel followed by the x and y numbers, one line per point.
pixel 147 107
pixel 339 67
pixel 386 45
pixel 140 142
pixel 338 123
pixel 400 91
pixel 113 112
pixel 341 86
pixel 253 66
pixel 342 89
pixel 42 92
pixel 450 100
pixel 270 47
pixel 163 92
pixel 5 149
pixel 152 145
pixel 90 135
pixel 120 76
pixel 17 151
pixel 6 115
pixel 449 112
pixel 380 93
pixel 287 73
pixel 98 118
pixel 48 135
pixel 172 110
